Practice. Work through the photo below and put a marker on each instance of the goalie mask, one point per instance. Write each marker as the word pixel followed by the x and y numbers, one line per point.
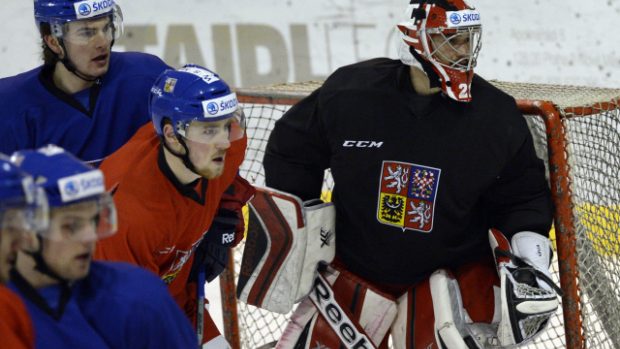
pixel 442 37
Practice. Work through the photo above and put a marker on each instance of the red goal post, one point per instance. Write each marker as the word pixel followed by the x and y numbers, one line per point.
pixel 576 131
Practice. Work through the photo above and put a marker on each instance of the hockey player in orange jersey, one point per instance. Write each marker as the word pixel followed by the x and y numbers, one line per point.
pixel 19 205
pixel 177 190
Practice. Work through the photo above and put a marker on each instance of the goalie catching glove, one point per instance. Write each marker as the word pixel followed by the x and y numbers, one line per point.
pixel 528 295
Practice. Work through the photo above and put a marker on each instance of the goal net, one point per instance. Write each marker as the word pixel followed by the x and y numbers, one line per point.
pixel 576 131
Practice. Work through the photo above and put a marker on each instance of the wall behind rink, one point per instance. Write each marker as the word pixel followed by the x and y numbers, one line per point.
pixel 270 41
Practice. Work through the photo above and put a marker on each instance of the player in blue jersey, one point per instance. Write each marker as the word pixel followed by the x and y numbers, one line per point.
pixel 84 97
pixel 20 203
pixel 77 303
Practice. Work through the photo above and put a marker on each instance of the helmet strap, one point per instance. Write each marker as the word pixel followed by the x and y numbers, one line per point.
pixel 41 265
pixel 184 157
pixel 70 65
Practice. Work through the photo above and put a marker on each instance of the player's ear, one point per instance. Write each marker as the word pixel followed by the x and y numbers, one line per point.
pixel 171 138
pixel 54 45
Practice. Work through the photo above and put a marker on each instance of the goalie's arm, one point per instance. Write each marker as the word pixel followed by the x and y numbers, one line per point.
pixel 520 199
pixel 297 153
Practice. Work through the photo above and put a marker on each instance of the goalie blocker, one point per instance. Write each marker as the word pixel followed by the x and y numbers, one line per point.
pixel 286 241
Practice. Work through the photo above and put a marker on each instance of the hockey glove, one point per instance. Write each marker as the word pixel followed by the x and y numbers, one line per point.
pixel 233 199
pixel 211 255
pixel 528 295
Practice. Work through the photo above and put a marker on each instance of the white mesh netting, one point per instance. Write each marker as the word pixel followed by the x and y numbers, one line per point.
pixel 593 152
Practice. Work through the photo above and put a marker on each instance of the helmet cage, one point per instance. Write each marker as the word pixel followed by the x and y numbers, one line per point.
pixel 435 34
pixel 442 41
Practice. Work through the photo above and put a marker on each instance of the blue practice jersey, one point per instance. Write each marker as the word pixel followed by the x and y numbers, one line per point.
pixel 91 124
pixel 116 306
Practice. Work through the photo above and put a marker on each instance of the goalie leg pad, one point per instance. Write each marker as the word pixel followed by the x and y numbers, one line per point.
pixel 355 308
pixel 286 241
pixel 454 328
pixel 414 324
pixel 449 311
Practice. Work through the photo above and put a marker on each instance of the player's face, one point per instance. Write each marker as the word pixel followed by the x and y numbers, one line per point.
pixel 207 143
pixel 88 45
pixel 70 243
pixel 455 49
pixel 11 232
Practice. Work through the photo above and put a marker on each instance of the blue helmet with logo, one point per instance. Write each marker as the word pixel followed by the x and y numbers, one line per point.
pixel 67 180
pixel 194 94
pixel 19 194
pixel 15 185
pixel 59 12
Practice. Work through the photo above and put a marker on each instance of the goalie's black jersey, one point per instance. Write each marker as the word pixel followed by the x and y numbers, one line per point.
pixel 418 179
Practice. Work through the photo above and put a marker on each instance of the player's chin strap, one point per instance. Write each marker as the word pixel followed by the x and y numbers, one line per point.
pixel 42 266
pixel 71 66
pixel 184 157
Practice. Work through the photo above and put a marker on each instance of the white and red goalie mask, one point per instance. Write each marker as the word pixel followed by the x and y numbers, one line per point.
pixel 443 38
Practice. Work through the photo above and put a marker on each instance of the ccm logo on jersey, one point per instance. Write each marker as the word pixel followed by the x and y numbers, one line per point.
pixel 362 144
pixel 323 298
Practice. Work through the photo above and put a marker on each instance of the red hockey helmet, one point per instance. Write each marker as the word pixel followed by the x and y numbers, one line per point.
pixel 443 37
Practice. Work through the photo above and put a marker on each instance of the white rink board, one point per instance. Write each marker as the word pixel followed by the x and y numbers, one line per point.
pixel 554 41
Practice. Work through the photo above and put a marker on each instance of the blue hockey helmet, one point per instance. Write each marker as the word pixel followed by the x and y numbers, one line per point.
pixel 59 12
pixel 68 181
pixel 23 207
pixel 195 95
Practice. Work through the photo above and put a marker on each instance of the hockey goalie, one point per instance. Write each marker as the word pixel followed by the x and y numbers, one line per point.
pixel 441 226
pixel 288 259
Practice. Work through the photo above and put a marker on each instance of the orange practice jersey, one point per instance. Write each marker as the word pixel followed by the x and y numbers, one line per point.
pixel 161 221
pixel 15 326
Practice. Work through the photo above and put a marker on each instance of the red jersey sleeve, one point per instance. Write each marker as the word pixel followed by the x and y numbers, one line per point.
pixel 15 326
